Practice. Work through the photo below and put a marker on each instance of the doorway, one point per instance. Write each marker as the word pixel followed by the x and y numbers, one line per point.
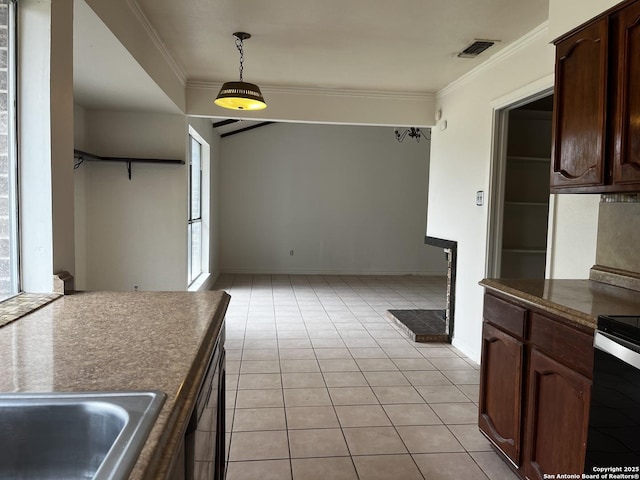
pixel 520 194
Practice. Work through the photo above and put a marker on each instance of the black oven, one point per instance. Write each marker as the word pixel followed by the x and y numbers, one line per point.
pixel 613 443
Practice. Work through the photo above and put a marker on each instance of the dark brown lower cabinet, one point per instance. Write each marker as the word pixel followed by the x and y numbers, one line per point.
pixel 501 390
pixel 202 452
pixel 535 387
pixel 557 418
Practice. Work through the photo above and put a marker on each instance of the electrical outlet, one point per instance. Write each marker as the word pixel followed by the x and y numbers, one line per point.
pixel 136 287
pixel 291 252
pixel 480 198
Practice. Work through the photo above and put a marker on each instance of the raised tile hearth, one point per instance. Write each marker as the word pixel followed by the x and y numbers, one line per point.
pixel 421 325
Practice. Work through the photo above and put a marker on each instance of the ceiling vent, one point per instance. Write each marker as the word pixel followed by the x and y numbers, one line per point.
pixel 476 48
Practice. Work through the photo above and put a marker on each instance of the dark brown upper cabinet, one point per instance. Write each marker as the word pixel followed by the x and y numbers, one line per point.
pixel 596 131
pixel 626 165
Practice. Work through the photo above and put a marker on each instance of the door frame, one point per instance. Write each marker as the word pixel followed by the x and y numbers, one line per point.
pixel 498 165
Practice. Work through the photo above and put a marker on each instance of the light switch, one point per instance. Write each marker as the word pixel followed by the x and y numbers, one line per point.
pixel 480 198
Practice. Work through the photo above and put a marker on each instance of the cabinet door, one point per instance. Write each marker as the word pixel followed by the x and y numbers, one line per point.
pixel 580 108
pixel 501 390
pixel 557 418
pixel 626 165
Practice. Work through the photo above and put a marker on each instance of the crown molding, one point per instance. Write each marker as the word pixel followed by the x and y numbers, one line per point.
pixel 511 49
pixel 336 92
pixel 160 45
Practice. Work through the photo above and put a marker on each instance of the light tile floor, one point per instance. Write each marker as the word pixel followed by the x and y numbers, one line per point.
pixel 321 385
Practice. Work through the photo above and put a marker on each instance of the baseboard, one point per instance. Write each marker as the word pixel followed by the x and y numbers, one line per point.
pixel 206 283
pixel 473 354
pixel 258 271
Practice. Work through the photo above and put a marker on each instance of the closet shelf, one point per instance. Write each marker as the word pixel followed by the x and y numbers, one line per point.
pixel 81 156
pixel 528 204
pixel 519 158
pixel 525 250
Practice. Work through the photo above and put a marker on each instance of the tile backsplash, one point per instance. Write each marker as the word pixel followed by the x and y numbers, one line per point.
pixel 619 232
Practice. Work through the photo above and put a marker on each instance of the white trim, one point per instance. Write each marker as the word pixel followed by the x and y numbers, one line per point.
pixel 329 271
pixel 551 236
pixel 205 214
pixel 522 94
pixel 497 167
pixel 205 281
pixel 336 92
pixel 511 49
pixel 501 109
pixel 160 45
pixel 471 353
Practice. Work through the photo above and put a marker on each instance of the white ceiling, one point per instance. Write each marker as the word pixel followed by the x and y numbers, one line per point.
pixel 403 46
pixel 380 45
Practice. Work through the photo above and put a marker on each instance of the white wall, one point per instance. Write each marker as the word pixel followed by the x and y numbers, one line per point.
pixel 45 141
pixel 344 199
pixel 573 236
pixel 565 15
pixel 461 159
pixel 135 230
pixel 80 197
pixel 128 23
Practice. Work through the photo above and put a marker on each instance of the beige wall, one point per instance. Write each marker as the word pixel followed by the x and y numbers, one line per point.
pixel 345 199
pixel 564 15
pixel 135 229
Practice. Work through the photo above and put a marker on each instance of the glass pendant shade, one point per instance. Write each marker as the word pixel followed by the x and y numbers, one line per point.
pixel 240 96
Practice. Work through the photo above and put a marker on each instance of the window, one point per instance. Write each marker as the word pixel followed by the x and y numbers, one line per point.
pixel 194 268
pixel 9 264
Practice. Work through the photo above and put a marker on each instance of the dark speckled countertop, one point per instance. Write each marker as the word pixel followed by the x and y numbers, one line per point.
pixel 119 341
pixel 579 301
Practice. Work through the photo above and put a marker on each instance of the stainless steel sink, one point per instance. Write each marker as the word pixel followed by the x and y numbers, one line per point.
pixel 74 435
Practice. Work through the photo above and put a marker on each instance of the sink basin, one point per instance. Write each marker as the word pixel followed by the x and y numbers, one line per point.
pixel 96 435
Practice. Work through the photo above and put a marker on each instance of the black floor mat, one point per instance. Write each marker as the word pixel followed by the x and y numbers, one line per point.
pixel 421 325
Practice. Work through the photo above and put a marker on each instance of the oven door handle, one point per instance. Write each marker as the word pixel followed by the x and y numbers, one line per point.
pixel 617 347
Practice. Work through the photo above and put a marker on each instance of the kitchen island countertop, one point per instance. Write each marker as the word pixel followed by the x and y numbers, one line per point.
pixel 103 341
pixel 577 301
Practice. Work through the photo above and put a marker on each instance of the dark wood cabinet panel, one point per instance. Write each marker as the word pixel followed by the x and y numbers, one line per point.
pixel 596 132
pixel 510 317
pixel 501 390
pixel 534 389
pixel 626 165
pixel 580 108
pixel 558 412
pixel 564 343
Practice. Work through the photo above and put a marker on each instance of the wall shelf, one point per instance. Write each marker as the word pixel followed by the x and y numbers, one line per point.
pixel 81 156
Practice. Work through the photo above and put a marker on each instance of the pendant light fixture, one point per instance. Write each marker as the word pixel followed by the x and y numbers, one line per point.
pixel 240 95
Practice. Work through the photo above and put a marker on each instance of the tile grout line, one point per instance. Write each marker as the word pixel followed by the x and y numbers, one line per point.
pixel 365 296
pixel 335 412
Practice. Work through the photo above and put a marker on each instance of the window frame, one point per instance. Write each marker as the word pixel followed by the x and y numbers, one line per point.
pixel 191 278
pixel 12 154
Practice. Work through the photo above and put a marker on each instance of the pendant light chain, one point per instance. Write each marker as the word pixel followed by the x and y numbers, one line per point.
pixel 239 45
pixel 240 95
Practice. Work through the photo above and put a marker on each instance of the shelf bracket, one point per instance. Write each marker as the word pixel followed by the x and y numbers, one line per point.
pixel 129 169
